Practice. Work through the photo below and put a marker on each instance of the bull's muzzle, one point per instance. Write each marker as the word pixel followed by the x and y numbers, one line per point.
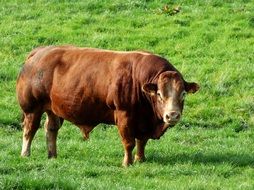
pixel 172 117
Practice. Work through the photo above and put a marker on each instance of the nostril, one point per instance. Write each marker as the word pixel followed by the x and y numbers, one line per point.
pixel 175 115
pixel 172 116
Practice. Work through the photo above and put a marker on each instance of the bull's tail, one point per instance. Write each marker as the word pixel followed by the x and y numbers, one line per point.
pixel 22 119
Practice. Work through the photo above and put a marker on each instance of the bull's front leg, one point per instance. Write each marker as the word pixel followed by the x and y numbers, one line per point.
pixel 128 144
pixel 140 154
pixel 128 140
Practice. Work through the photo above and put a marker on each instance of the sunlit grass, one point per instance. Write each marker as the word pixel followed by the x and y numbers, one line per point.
pixel 210 42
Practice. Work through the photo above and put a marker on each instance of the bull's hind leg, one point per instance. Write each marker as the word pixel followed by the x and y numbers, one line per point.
pixel 52 124
pixel 30 125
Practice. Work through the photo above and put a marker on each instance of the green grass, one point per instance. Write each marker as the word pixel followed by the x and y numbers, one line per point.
pixel 210 42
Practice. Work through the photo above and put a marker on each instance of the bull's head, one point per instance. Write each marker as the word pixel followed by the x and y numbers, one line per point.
pixel 168 95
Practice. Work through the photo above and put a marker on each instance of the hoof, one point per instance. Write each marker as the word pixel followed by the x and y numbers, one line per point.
pixel 139 159
pixel 51 155
pixel 126 164
pixel 25 154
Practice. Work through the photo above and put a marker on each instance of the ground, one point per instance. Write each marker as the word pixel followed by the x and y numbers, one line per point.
pixel 210 42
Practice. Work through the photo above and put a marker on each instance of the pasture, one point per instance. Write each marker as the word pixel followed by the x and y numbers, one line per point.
pixel 210 42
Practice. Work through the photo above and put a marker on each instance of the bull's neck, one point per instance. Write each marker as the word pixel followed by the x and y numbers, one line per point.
pixel 153 104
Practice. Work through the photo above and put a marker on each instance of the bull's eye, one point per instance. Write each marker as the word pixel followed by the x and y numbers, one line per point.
pixel 159 96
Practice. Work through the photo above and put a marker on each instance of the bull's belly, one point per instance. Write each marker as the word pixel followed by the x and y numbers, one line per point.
pixel 91 114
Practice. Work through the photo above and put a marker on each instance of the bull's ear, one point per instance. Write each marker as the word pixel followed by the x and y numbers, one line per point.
pixel 150 88
pixel 191 87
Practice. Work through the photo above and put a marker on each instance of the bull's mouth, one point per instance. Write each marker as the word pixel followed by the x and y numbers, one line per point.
pixel 171 122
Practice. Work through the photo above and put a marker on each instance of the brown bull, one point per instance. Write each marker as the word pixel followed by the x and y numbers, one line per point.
pixel 142 93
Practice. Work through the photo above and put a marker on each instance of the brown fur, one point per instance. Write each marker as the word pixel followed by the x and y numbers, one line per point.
pixel 90 86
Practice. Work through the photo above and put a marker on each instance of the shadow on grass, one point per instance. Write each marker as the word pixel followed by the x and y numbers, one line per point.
pixel 240 160
pixel 14 125
pixel 26 183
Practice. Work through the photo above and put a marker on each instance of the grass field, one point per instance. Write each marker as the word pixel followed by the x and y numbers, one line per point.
pixel 210 42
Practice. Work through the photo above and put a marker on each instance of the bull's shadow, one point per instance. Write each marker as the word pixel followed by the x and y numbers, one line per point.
pixel 239 160
pixel 14 125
